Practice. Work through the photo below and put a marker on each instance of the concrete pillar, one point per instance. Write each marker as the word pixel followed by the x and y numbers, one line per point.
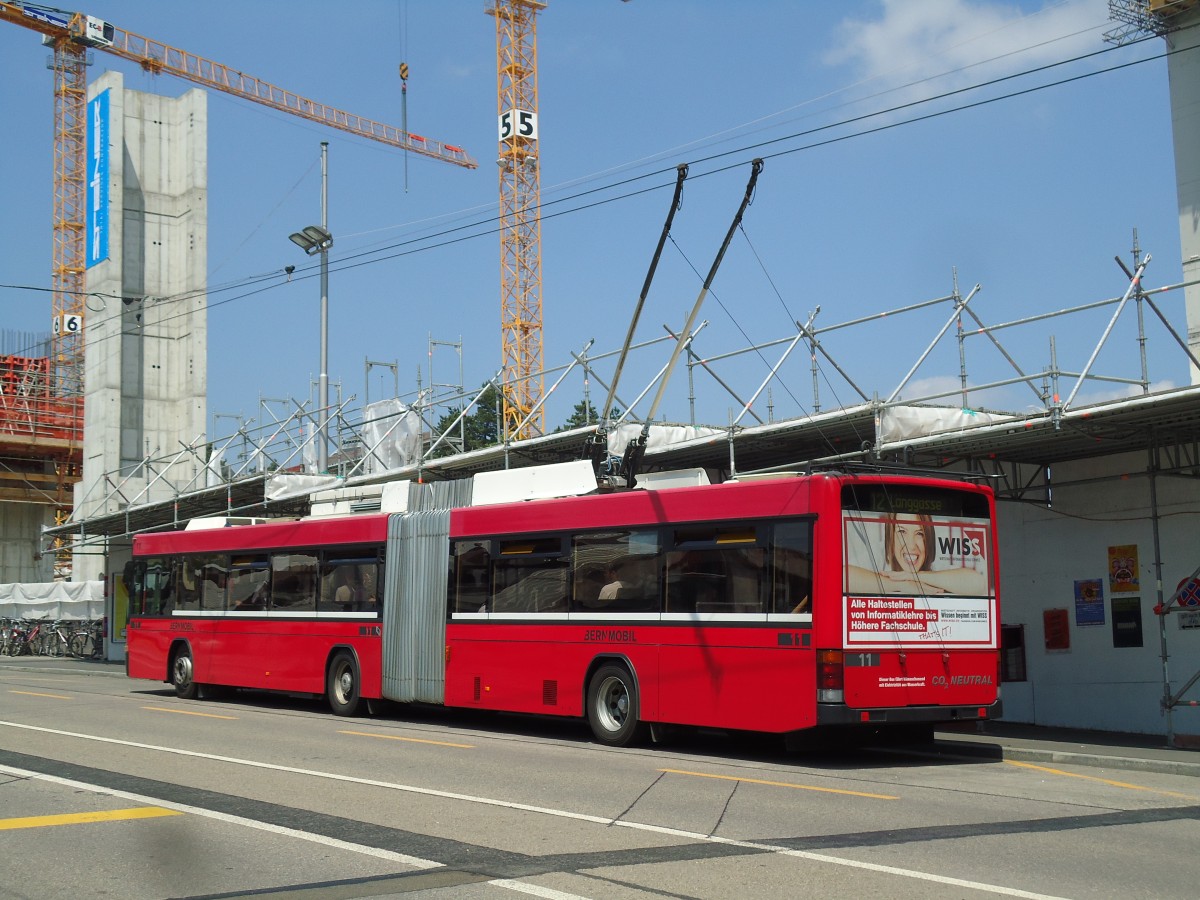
pixel 1183 67
pixel 146 328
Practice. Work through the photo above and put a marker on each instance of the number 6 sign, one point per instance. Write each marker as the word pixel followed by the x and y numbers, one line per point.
pixel 68 324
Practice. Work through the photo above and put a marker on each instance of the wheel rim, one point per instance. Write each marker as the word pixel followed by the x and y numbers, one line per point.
pixel 612 704
pixel 182 671
pixel 343 684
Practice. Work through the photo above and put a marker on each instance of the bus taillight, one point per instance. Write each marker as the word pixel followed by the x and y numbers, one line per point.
pixel 830 680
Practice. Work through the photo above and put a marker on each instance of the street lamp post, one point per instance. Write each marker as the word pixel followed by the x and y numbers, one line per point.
pixel 314 239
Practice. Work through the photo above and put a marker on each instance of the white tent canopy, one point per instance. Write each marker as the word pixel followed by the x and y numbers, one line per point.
pixel 53 600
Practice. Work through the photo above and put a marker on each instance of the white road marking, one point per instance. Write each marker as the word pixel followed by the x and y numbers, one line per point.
pixel 534 890
pixel 488 801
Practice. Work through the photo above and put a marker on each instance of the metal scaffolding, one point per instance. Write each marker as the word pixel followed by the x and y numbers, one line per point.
pixel 280 439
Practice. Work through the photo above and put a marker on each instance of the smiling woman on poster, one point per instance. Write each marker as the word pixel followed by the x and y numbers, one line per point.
pixel 910 564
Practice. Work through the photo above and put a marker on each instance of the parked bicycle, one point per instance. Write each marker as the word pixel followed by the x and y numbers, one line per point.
pixel 22 637
pixel 10 636
pixel 88 641
pixel 56 640
pixel 39 637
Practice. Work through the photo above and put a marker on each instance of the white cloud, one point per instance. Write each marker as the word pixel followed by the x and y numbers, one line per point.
pixel 1090 398
pixel 911 40
pixel 937 384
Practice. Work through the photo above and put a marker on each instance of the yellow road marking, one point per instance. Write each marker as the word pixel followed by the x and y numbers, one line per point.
pixel 188 712
pixel 108 815
pixel 392 737
pixel 798 787
pixel 32 694
pixel 1120 784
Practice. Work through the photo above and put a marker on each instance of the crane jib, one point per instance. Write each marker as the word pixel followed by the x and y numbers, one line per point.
pixel 158 58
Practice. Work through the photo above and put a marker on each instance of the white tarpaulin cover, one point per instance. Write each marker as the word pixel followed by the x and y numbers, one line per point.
pixel 212 468
pixel 391 436
pixel 53 600
pixel 283 485
pixel 659 436
pixel 903 423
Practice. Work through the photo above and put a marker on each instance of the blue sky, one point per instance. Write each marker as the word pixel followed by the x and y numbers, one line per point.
pixel 1031 196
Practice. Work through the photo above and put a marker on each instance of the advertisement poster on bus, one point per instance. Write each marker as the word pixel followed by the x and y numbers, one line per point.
pixel 916 579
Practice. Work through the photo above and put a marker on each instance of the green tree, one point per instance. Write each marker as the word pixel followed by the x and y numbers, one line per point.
pixel 477 430
pixel 583 414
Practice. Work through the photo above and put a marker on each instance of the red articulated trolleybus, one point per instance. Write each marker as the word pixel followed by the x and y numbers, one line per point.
pixel 771 604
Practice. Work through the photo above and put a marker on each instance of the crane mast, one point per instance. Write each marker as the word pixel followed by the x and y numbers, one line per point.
pixel 69 269
pixel 520 216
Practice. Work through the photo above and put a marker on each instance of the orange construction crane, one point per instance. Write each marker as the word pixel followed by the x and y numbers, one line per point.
pixel 520 216
pixel 71 35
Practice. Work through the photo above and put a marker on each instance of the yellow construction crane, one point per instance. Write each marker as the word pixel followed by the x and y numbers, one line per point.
pixel 71 35
pixel 520 216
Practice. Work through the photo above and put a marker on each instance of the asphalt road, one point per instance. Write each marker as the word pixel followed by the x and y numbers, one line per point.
pixel 115 788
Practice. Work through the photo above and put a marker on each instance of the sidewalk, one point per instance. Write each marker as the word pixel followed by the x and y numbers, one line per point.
pixel 1068 746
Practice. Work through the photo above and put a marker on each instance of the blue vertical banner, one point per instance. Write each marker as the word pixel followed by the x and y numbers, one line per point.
pixel 97 179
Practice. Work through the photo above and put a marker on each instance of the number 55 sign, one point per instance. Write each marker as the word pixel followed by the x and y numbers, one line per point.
pixel 68 324
pixel 518 123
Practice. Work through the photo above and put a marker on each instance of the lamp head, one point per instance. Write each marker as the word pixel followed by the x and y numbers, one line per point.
pixel 312 239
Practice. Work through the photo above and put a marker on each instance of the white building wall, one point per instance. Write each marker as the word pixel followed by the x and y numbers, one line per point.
pixel 1044 552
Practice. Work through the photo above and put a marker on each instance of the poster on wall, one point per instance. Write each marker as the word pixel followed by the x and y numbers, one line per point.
pixel 1057 626
pixel 120 609
pixel 1123 569
pixel 1089 602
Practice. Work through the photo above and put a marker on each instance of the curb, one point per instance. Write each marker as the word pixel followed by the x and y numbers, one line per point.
pixel 996 750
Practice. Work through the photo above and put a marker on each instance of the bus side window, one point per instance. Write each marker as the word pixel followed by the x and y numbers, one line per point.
pixel 695 581
pixel 748 582
pixel 530 576
pixel 616 572
pixel 470 577
pixel 216 576
pixel 249 583
pixel 791 567
pixel 189 577
pixel 348 585
pixel 294 582
pixel 372 585
pixel 718 568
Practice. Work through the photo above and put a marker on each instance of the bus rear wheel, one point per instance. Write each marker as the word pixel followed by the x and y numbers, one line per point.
pixel 342 685
pixel 181 675
pixel 613 707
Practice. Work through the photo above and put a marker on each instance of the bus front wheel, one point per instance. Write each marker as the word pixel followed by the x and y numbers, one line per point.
pixel 181 675
pixel 342 685
pixel 613 707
